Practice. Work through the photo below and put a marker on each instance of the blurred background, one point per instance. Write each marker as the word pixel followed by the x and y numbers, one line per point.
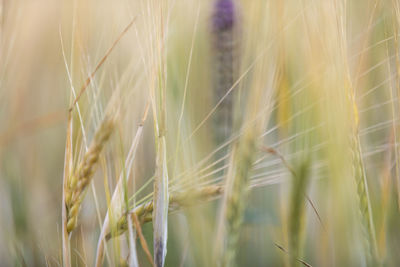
pixel 331 73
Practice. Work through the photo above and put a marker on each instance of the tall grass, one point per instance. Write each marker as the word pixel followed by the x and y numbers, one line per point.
pixel 199 133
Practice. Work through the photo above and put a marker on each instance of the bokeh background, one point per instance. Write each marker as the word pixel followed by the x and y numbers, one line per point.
pixel 329 67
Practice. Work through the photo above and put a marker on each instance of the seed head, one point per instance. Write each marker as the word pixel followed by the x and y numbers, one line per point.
pixel 224 15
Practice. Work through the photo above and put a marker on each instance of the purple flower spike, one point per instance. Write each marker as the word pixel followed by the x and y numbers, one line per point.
pixel 224 16
pixel 224 23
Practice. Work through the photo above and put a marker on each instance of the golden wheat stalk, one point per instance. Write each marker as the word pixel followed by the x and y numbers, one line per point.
pixel 80 179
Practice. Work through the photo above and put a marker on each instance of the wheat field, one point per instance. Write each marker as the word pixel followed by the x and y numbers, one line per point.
pixel 199 133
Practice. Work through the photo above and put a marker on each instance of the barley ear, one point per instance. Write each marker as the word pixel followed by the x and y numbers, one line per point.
pixel 81 178
pixel 67 166
pixel 236 195
pixel 364 202
pixel 177 201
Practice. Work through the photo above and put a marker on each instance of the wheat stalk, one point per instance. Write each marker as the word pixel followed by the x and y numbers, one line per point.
pixel 242 160
pixel 236 194
pixel 80 179
pixel 359 174
pixel 177 201
pixel 159 105
pixel 296 212
pixel 364 199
